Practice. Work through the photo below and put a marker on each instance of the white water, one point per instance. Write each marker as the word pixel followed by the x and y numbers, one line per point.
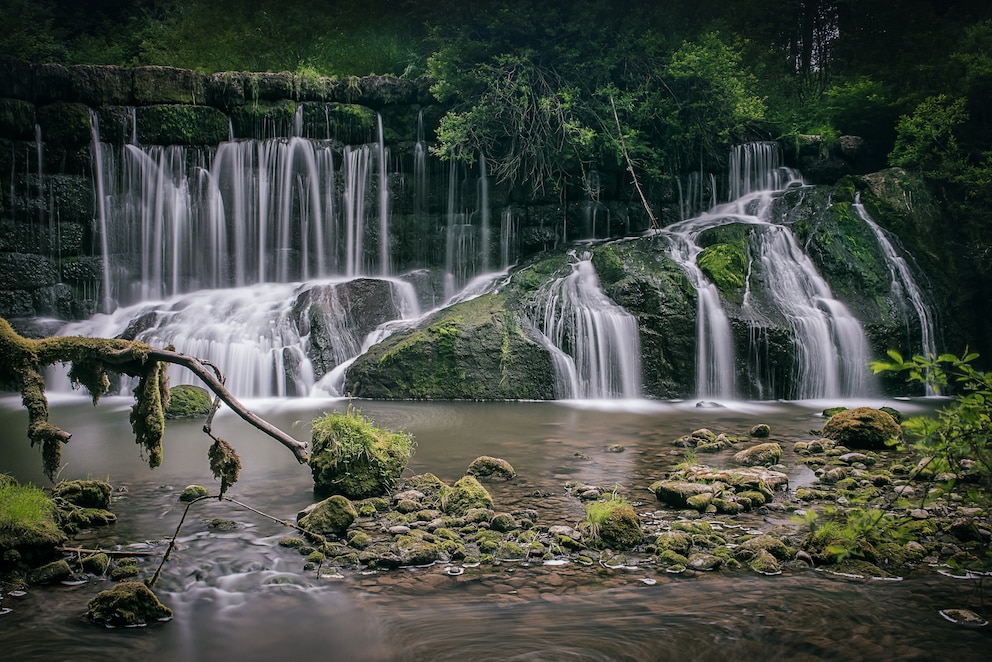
pixel 258 335
pixel 830 348
pixel 904 286
pixel 598 342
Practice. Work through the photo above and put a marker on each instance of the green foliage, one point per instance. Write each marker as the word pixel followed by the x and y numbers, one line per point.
pixel 960 434
pixel 861 107
pixel 849 533
pixel 926 139
pixel 352 457
pixel 25 506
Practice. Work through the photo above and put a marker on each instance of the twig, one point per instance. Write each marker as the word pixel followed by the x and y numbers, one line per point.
pixel 630 167
pixel 108 552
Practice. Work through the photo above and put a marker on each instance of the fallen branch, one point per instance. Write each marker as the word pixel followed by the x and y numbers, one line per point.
pixel 630 168
pixel 108 552
pixel 22 361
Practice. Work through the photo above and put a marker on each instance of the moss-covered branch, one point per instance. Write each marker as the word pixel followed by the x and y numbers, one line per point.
pixel 22 361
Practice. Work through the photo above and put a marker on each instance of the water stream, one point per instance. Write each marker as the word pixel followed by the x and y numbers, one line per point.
pixel 239 595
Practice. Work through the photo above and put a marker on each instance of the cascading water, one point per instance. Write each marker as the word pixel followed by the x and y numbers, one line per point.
pixel 199 230
pixel 829 346
pixel 904 285
pixel 597 343
pixel 715 360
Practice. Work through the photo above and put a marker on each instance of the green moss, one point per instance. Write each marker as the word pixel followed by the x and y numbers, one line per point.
pixel 725 265
pixel 467 493
pixel 613 523
pixel 352 457
pixel 128 603
pixel 187 401
pixel 181 125
pixel 331 516
pixel 609 267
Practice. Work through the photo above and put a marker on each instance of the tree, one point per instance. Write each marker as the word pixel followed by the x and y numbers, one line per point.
pixel 22 361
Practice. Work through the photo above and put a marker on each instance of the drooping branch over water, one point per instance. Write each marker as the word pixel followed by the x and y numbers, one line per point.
pixel 22 361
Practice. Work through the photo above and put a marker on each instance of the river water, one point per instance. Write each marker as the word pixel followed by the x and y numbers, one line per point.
pixel 238 595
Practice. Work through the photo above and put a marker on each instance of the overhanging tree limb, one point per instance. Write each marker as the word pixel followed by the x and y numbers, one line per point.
pixel 22 361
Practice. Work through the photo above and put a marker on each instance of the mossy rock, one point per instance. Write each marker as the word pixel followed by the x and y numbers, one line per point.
pixel 188 401
pixel 56 571
pixel 676 541
pixel 28 532
pixel 491 468
pixel 192 493
pixel 416 551
pixel 65 124
pixel 181 125
pixel 759 455
pixel 472 350
pixel 84 493
pixel 351 457
pixel 616 526
pixel 332 516
pixel 862 427
pixel 127 604
pixel 677 493
pixel 264 119
pixel 467 493
pixel 96 564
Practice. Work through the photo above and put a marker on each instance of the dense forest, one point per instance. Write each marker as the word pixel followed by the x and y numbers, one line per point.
pixel 547 89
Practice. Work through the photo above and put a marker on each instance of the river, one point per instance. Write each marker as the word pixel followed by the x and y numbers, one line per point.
pixel 239 595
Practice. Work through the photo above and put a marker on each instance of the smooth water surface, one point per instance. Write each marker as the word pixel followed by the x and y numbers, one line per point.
pixel 238 595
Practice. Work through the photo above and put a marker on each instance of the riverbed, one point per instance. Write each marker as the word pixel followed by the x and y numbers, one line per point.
pixel 238 594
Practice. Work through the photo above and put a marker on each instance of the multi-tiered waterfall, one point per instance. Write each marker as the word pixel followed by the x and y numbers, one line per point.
pixel 830 349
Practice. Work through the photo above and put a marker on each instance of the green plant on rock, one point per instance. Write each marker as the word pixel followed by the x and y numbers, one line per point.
pixel 352 457
pixel 844 534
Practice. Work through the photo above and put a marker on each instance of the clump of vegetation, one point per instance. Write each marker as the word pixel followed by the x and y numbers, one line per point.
pixel 127 604
pixel 27 523
pixel 612 523
pixel 352 457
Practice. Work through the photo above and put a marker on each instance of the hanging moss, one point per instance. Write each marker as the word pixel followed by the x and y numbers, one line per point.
pixel 22 361
pixel 224 464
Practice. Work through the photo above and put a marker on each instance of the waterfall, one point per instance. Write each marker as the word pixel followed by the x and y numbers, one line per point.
pixel 598 342
pixel 484 239
pixel 265 337
pixel 829 346
pixel 715 360
pixel 383 201
pixel 904 286
pixel 101 207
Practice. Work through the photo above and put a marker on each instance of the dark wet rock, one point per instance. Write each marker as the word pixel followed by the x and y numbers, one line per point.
pixel 331 516
pixel 127 604
pixel 56 571
pixel 759 455
pixel 491 468
pixel 761 430
pixel 862 427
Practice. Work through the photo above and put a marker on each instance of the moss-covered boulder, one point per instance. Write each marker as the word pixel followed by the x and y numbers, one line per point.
pixel 862 427
pixel 677 493
pixel 17 119
pixel 759 455
pixel 187 401
pixel 724 260
pixel 192 493
pixel 639 275
pixel 473 350
pixel 613 524
pixel 351 457
pixel 332 516
pixel 127 604
pixel 491 468
pixel 84 493
pixel 467 493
